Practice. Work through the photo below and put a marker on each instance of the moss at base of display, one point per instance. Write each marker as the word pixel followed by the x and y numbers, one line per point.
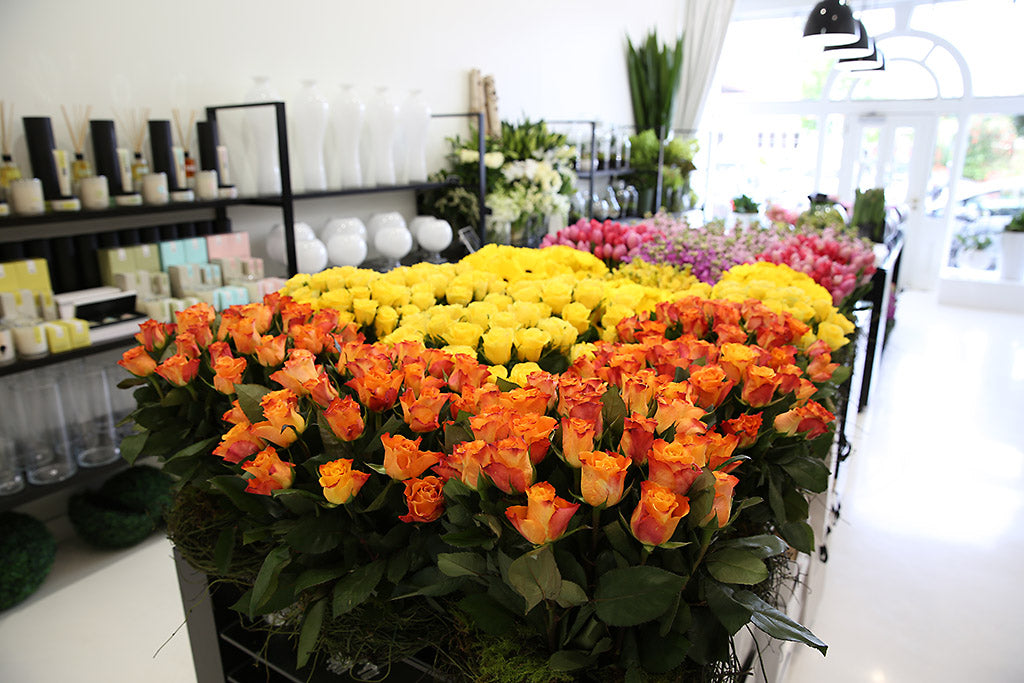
pixel 127 508
pixel 27 551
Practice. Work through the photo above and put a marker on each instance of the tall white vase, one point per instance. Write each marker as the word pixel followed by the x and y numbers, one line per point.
pixel 310 125
pixel 1013 255
pixel 348 112
pixel 261 136
pixel 415 122
pixel 382 125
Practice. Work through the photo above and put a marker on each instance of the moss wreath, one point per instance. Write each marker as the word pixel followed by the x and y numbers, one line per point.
pixel 126 509
pixel 27 550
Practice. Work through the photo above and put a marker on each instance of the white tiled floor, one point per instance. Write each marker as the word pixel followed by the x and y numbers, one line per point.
pixel 921 586
pixel 923 578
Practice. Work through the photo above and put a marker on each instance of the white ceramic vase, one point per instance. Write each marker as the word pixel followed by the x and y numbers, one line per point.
pixel 261 136
pixel 310 125
pixel 382 125
pixel 347 116
pixel 415 122
pixel 1013 256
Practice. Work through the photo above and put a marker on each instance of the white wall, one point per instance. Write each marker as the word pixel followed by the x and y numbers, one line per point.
pixel 550 58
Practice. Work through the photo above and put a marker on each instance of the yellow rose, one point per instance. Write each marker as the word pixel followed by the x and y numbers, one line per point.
pixel 582 350
pixel 479 313
pixel 403 333
pixel 553 327
pixel 499 300
pixel 418 322
pixel 459 292
pixel 361 277
pixel 439 279
pixel 497 345
pixel 504 319
pixel 577 315
pixel 556 294
pixel 304 295
pixel 409 310
pixel 364 310
pixel 832 335
pixel 525 290
pixel 437 323
pixel 359 292
pixel 527 313
pixel 340 299
pixel 626 294
pixel 345 317
pixel 497 286
pixel 387 293
pixel 589 292
pixel 296 281
pixel 613 314
pixel 320 281
pixel 385 321
pixel 497 371
pixel 530 343
pixel 463 334
pixel 455 350
pixel 422 295
pixel 521 372
pixel 481 284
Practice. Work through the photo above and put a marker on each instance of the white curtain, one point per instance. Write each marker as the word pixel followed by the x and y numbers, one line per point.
pixel 704 25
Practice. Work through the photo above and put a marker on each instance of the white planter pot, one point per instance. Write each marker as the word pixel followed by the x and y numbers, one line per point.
pixel 1013 256
pixel 977 259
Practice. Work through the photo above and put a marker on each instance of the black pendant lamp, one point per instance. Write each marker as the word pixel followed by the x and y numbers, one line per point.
pixel 859 49
pixel 873 62
pixel 831 22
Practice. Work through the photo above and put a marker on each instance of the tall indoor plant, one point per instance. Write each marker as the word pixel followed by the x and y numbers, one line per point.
pixel 654 72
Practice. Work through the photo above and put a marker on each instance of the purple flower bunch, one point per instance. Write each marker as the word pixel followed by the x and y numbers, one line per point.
pixel 708 250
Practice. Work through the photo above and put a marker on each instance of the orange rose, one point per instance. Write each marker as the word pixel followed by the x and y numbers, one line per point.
pixel 734 359
pixel 722 505
pixel 545 517
pixel 421 414
pixel 602 477
pixel 403 458
pixel 467 370
pixel 657 514
pixel 270 350
pixel 424 498
pixel 578 436
pixel 137 362
pixel 746 427
pixel 536 431
pixel 526 400
pixel 811 418
pixel 185 344
pixel 711 386
pixel 236 415
pixel 675 408
pixel 244 335
pixel 675 465
pixel 638 391
pixel 293 313
pixel 261 315
pixel 218 350
pixel 638 437
pixel 228 373
pixel 377 388
pixel 789 378
pixel 152 335
pixel 475 400
pixel 759 386
pixel 491 424
pixel 510 468
pixel 344 417
pixel 284 423
pixel 730 333
pixel 178 370
pixel 300 368
pixel 309 337
pixel 321 389
pixel 238 444
pixel 467 460
pixel 720 448
pixel 340 482
pixel 268 472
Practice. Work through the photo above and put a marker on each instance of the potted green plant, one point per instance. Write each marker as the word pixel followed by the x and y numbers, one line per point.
pixel 1013 249
pixel 869 214
pixel 745 212
pixel 974 251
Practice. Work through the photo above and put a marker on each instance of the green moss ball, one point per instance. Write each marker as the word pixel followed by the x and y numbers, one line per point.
pixel 142 489
pixel 127 508
pixel 27 549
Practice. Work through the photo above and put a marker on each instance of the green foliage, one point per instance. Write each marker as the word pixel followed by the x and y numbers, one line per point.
pixel 27 551
pixel 744 204
pixel 869 213
pixel 1016 224
pixel 124 511
pixel 654 71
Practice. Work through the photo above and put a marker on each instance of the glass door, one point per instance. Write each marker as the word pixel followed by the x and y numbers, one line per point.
pixel 896 152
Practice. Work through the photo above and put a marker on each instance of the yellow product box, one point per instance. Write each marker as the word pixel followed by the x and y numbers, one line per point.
pixel 147 257
pixel 57 337
pixel 113 261
pixel 77 331
pixel 34 274
pixel 9 278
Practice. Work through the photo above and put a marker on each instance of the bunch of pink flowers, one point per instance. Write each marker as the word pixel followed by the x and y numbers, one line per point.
pixel 838 262
pixel 611 241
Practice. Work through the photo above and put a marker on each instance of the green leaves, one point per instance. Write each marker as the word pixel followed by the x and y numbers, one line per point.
pixel 732 565
pixel 132 445
pixel 800 535
pixel 310 633
pixel 352 590
pixel 535 576
pixel 487 613
pixel 775 623
pixel 808 473
pixel 461 564
pixel 633 595
pixel 266 581
pixel 249 396
pixel 762 546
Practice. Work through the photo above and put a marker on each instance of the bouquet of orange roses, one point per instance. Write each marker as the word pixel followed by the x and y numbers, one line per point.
pixel 615 518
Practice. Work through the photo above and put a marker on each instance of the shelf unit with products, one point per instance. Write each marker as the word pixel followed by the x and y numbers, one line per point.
pixel 591 166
